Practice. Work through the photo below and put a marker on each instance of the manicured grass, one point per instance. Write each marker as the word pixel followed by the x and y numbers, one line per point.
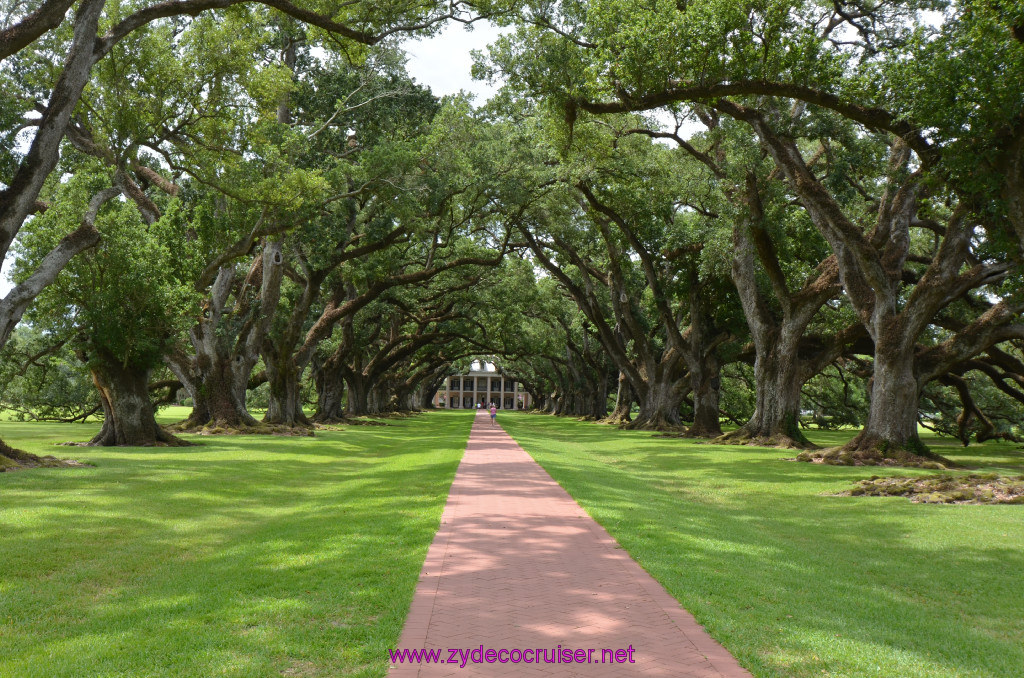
pixel 243 556
pixel 794 582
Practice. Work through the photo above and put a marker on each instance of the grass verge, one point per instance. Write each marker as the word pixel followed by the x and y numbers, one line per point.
pixel 242 556
pixel 796 583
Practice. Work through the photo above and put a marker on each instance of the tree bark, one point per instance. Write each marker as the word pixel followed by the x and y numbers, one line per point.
pixel 330 391
pixel 378 398
pixel 871 266
pixel 623 403
pixel 285 405
pixel 217 375
pixel 128 414
pixel 777 381
pixel 426 397
pixel 659 406
pixel 17 201
pixel 706 383
pixel 895 394
pixel 358 404
pixel 598 400
pixel 551 402
pixel 330 406
pixel 217 383
pixel 778 373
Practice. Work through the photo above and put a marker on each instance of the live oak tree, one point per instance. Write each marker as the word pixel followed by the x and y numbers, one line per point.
pixel 118 312
pixel 376 330
pixel 200 111
pixel 285 161
pixel 560 359
pixel 783 273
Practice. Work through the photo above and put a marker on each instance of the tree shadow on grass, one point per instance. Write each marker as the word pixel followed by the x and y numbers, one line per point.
pixel 233 560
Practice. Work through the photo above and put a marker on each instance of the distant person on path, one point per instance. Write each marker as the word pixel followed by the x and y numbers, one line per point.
pixel 494 414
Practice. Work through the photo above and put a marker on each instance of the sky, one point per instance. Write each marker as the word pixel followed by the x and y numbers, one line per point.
pixel 441 62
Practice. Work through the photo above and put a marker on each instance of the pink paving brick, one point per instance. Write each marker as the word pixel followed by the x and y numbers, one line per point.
pixel 517 563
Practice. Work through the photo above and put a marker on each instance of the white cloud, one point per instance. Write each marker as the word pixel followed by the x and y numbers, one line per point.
pixel 442 62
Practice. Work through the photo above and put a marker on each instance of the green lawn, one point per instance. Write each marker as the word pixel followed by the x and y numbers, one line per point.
pixel 243 556
pixel 793 582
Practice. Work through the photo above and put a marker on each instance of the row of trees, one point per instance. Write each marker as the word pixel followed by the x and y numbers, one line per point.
pixel 679 213
pixel 251 195
pixel 862 162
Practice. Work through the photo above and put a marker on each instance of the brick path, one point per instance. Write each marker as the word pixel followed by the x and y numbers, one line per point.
pixel 517 563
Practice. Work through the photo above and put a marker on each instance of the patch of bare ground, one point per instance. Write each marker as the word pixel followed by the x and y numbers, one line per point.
pixel 298 667
pixel 976 488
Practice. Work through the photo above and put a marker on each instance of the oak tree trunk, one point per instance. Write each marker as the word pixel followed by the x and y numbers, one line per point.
pixel 892 418
pixel 426 397
pixel 623 403
pixel 598 405
pixel 777 403
pixel 128 414
pixel 219 393
pixel 378 399
pixel 358 397
pixel 890 434
pixel 330 389
pixel 285 404
pixel 560 404
pixel 777 383
pixel 659 407
pixel 706 383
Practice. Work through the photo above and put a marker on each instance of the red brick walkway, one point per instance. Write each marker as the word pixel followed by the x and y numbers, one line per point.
pixel 518 564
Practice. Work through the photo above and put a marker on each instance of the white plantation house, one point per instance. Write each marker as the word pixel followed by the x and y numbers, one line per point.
pixel 482 385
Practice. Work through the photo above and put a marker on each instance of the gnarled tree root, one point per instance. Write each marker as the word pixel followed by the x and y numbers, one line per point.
pixel 877 456
pixel 615 420
pixel 332 423
pixel 397 414
pixel 657 424
pixel 12 459
pixel 701 432
pixel 319 421
pixel 214 429
pixel 662 431
pixel 742 436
